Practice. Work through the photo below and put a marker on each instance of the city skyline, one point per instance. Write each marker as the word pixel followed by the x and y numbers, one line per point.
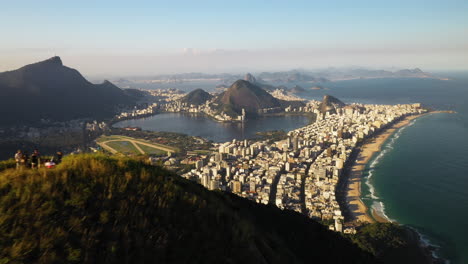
pixel 117 38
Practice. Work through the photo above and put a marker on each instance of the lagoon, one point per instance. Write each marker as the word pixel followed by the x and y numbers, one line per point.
pixel 201 126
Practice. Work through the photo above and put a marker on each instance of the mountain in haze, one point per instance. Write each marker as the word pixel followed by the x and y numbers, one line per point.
pixel 245 95
pixel 102 209
pixel 336 74
pixel 50 90
pixel 196 97
pixel 416 72
pixel 330 104
pixel 250 78
pixel 293 76
pixel 259 82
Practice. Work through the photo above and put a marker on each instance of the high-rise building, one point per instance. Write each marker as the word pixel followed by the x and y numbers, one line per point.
pixel 236 187
pixel 214 185
pixel 199 164
pixel 339 164
pixel 295 144
pixel 252 187
pixel 338 226
pixel 217 157
pixel 205 180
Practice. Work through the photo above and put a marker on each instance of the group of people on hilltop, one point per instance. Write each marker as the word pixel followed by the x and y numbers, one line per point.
pixel 23 160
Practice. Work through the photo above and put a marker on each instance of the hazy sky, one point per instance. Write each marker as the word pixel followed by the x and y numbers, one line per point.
pixel 151 37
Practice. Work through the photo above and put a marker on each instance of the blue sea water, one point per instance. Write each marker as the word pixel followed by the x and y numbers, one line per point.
pixel 420 178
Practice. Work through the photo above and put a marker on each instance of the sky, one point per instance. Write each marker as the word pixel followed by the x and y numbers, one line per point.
pixel 125 38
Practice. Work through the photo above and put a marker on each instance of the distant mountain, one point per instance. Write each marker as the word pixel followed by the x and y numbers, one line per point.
pixel 259 82
pixel 416 72
pixel 330 104
pixel 135 93
pixel 250 78
pixel 197 97
pixel 246 95
pixel 101 209
pixel 293 76
pixel 50 90
pixel 361 73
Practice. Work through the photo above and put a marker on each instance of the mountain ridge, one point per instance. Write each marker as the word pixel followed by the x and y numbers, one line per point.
pixel 50 90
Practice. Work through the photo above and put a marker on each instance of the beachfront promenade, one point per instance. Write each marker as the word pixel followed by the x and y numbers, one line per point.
pixel 306 171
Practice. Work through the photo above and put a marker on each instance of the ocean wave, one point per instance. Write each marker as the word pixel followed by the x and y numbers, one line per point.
pixel 377 202
pixel 379 208
pixel 372 194
pixel 370 173
pixel 426 242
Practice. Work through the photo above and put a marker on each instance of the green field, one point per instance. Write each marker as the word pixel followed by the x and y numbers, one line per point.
pixel 133 146
pixel 125 147
pixel 151 150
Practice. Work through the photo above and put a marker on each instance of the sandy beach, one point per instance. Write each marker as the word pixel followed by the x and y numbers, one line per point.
pixel 358 210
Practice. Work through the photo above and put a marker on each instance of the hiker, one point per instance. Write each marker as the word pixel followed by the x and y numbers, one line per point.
pixel 18 158
pixel 24 160
pixel 35 159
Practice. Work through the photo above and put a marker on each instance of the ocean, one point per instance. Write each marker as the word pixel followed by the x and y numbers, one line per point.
pixel 420 178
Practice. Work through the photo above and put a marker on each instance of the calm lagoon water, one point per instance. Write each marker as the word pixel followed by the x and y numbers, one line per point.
pixel 201 126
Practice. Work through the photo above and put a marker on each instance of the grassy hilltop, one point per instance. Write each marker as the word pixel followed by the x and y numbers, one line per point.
pixel 102 209
pixel 109 209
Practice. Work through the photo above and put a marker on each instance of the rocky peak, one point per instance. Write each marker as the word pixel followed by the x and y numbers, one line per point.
pixel 250 78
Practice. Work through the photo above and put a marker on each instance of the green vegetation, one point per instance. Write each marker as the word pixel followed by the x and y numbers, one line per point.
pixel 102 209
pixel 78 97
pixel 125 147
pixel 128 145
pixel 391 243
pixel 245 95
pixel 7 164
pixel 152 151
pixel 272 136
pixel 181 143
pixel 196 97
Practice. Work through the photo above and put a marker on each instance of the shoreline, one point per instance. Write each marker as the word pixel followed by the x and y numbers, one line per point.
pixel 358 211
pixel 361 213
